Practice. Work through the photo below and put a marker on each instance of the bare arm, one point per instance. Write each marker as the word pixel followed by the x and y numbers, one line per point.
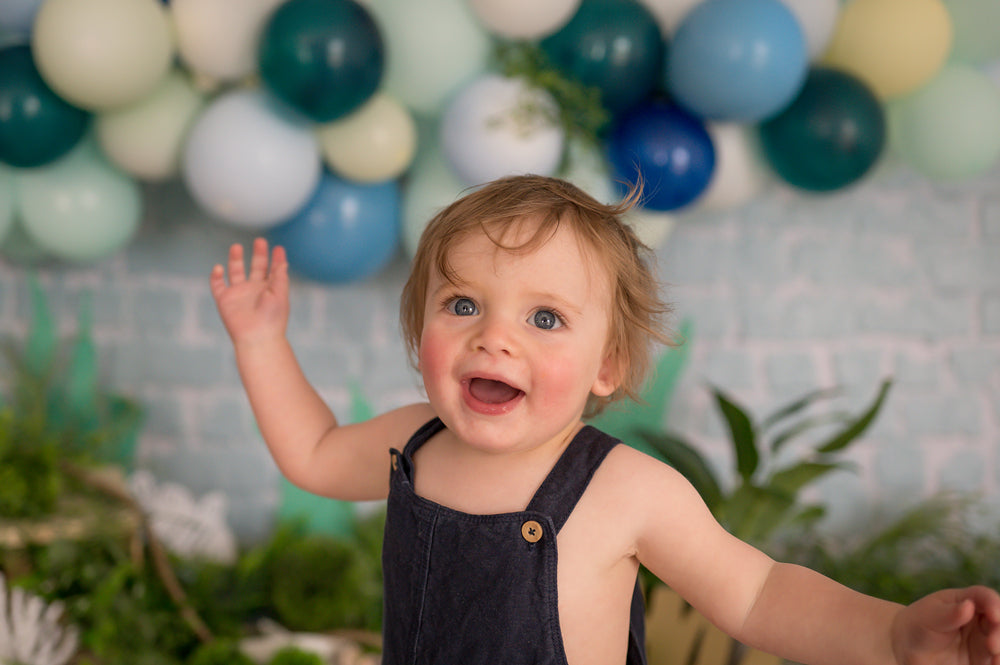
pixel 301 431
pixel 795 612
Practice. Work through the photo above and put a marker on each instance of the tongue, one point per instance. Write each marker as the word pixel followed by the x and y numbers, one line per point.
pixel 492 392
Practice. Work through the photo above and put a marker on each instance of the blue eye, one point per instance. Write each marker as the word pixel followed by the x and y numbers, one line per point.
pixel 546 319
pixel 462 307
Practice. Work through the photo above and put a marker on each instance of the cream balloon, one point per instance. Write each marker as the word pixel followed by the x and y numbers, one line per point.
pixel 652 227
pixel 434 47
pixel 524 19
pixel 146 138
pixel 217 39
pixel 375 143
pixel 669 13
pixel 499 126
pixel 871 42
pixel 102 54
pixel 818 19
pixel 739 173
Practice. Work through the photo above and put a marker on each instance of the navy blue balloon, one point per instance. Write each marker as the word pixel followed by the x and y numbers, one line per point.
pixel 667 149
pixel 613 45
pixel 347 232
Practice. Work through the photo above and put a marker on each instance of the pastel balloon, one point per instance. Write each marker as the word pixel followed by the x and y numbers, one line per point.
pixel 17 16
pixel 975 25
pixel 669 13
pixel 950 127
pixel 524 19
pixel 870 43
pixel 99 54
pixel 818 19
pixel 613 45
pixel 248 161
pixel 79 208
pixel 737 60
pixel 323 57
pixel 145 139
pixel 586 166
pixel 347 231
pixel 651 226
pixel 500 126
pixel 377 142
pixel 19 248
pixel 6 201
pixel 217 39
pixel 435 47
pixel 830 136
pixel 740 173
pixel 36 125
pixel 430 186
pixel 666 149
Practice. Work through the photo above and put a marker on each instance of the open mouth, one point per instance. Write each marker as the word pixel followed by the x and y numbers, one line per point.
pixel 490 396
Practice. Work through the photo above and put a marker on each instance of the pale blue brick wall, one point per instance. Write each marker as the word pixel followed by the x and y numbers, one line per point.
pixel 896 277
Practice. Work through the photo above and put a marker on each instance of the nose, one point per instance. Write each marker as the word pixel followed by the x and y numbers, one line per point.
pixel 494 336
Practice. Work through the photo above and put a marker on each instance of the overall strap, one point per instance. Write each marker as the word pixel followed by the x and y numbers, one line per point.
pixel 566 483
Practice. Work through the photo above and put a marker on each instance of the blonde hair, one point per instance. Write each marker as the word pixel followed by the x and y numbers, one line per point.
pixel 637 314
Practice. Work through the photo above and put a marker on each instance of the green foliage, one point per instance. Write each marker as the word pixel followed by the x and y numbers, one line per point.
pixel 219 652
pixel 930 547
pixel 765 496
pixel 580 112
pixel 53 409
pixel 295 656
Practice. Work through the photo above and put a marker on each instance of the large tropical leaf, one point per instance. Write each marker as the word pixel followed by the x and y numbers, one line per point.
pixel 689 462
pixel 854 429
pixel 742 434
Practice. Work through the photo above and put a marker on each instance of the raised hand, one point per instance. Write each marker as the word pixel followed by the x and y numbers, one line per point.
pixel 254 307
pixel 951 627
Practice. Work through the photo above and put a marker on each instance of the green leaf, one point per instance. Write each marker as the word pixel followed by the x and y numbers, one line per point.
pixel 805 425
pixel 743 436
pixel 688 462
pixel 792 479
pixel 855 429
pixel 797 406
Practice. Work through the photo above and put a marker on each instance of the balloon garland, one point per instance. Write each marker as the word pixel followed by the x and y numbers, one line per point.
pixel 337 127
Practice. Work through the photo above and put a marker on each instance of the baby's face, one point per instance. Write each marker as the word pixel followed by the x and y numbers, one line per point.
pixel 510 354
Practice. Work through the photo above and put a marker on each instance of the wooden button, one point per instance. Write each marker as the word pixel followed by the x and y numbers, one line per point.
pixel 531 531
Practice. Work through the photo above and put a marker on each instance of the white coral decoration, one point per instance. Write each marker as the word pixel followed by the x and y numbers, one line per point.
pixel 187 526
pixel 30 631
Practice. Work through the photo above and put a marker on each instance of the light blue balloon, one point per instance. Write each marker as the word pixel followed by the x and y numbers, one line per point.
pixel 737 60
pixel 347 232
pixel 18 16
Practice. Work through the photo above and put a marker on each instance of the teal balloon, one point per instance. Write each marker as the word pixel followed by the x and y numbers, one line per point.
pixel 80 208
pixel 831 134
pixel 613 45
pixel 36 125
pixel 324 58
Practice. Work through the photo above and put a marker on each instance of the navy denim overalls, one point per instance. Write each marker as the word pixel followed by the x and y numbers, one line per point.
pixel 463 589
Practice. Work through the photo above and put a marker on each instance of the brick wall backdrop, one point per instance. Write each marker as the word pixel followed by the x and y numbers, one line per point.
pixel 896 277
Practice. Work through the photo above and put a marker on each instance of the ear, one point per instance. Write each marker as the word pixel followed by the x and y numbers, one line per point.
pixel 609 377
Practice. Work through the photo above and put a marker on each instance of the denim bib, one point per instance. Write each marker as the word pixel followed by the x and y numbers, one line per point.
pixel 465 589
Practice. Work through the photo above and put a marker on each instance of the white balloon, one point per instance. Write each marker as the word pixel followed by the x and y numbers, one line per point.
pixel 669 13
pixel 817 18
pixel 375 143
pixel 433 48
pixel 218 38
pixel 249 162
pixel 145 138
pixel 739 173
pixel 524 19
pixel 500 126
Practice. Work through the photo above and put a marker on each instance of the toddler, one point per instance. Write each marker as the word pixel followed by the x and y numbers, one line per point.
pixel 514 531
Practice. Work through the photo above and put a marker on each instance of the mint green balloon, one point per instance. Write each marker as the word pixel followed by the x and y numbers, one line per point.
pixel 949 129
pixel 6 201
pixel 80 208
pixel 976 25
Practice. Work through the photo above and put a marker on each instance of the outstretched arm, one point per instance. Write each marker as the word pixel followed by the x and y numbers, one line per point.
pixel 301 431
